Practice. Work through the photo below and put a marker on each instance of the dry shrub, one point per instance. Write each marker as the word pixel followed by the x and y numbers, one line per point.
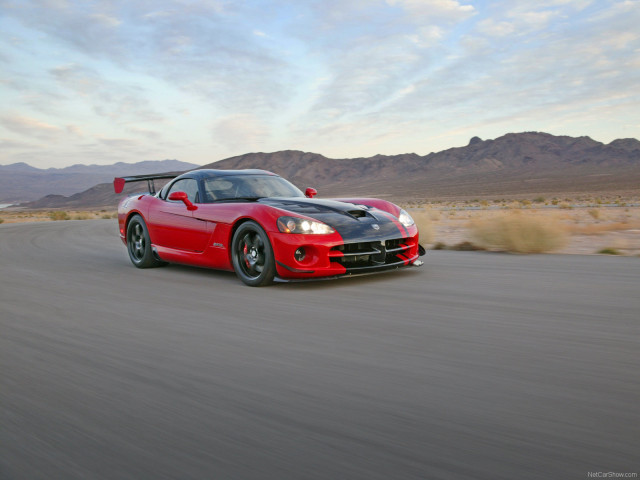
pixel 600 228
pixel 425 227
pixel 521 233
pixel 59 215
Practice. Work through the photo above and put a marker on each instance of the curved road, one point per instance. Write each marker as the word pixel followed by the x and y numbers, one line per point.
pixel 477 365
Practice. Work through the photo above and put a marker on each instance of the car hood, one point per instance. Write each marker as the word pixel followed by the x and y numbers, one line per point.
pixel 351 221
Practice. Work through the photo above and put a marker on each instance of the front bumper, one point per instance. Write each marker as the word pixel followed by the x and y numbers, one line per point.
pixel 315 256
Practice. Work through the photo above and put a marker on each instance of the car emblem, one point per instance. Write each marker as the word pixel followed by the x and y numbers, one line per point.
pixel 375 226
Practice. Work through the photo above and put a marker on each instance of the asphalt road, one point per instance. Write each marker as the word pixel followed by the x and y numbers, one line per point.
pixel 476 365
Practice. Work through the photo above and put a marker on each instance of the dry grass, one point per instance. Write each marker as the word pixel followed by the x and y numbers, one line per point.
pixel 29 216
pixel 595 213
pixel 600 228
pixel 613 226
pixel 519 232
pixel 609 251
pixel 59 215
pixel 424 222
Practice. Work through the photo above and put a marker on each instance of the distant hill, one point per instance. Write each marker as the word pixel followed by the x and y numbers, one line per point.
pixel 20 182
pixel 516 164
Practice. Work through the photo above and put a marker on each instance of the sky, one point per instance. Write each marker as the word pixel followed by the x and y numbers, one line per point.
pixel 98 82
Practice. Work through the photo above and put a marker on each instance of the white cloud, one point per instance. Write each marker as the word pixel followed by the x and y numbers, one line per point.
pixel 357 72
pixel 240 131
pixel 436 9
pixel 28 126
pixel 105 20
pixel 120 143
pixel 77 78
pixel 495 28
pixel 427 36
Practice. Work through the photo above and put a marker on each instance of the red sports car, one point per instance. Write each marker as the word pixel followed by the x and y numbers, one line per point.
pixel 262 227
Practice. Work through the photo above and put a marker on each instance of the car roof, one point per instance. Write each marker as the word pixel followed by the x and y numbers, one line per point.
pixel 211 173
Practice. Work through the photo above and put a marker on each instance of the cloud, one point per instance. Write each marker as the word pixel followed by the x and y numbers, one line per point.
pixel 121 102
pixel 427 36
pixel 357 72
pixel 240 131
pixel 77 78
pixel 28 126
pixel 495 28
pixel 144 132
pixel 120 143
pixel 105 20
pixel 6 145
pixel 435 9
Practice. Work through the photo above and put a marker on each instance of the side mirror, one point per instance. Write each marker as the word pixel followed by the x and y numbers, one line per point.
pixel 182 197
pixel 310 192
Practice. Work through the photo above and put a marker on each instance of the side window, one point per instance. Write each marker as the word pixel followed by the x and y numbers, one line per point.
pixel 187 185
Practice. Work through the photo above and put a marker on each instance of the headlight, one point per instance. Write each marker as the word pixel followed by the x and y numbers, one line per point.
pixel 405 218
pixel 300 225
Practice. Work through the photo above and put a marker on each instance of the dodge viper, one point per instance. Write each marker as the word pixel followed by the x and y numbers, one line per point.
pixel 262 227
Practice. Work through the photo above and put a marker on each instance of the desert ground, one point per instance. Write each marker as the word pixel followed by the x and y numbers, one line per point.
pixel 592 228
pixel 584 225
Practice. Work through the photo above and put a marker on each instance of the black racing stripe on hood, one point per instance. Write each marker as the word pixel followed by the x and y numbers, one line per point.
pixel 352 222
pixel 308 206
pixel 401 228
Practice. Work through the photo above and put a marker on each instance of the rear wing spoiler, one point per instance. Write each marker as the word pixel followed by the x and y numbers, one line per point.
pixel 119 182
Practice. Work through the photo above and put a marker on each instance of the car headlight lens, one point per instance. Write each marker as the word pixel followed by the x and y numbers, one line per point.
pixel 405 218
pixel 301 225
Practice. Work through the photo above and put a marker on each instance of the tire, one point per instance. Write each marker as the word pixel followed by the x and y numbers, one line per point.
pixel 252 255
pixel 139 244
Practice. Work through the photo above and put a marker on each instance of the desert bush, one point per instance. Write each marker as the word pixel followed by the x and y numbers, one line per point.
pixel 539 200
pixel 1 220
pixel 423 222
pixel 82 216
pixel 521 233
pixel 59 215
pixel 466 246
pixel 595 213
pixel 106 216
pixel 609 251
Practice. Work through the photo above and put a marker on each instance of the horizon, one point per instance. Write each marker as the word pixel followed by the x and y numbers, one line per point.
pixel 118 81
pixel 289 149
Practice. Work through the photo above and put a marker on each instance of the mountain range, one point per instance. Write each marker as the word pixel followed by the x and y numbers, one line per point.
pixel 20 182
pixel 515 164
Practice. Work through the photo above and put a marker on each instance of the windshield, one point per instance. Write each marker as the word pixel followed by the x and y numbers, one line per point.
pixel 247 187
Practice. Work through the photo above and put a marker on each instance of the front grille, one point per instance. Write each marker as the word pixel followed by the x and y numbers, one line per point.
pixel 371 254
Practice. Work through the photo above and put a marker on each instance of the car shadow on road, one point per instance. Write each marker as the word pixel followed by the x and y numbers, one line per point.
pixel 370 280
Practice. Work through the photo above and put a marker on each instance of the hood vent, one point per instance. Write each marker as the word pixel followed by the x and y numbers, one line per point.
pixel 357 213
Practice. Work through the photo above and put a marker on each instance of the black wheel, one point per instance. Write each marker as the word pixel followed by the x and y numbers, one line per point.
pixel 252 255
pixel 139 244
